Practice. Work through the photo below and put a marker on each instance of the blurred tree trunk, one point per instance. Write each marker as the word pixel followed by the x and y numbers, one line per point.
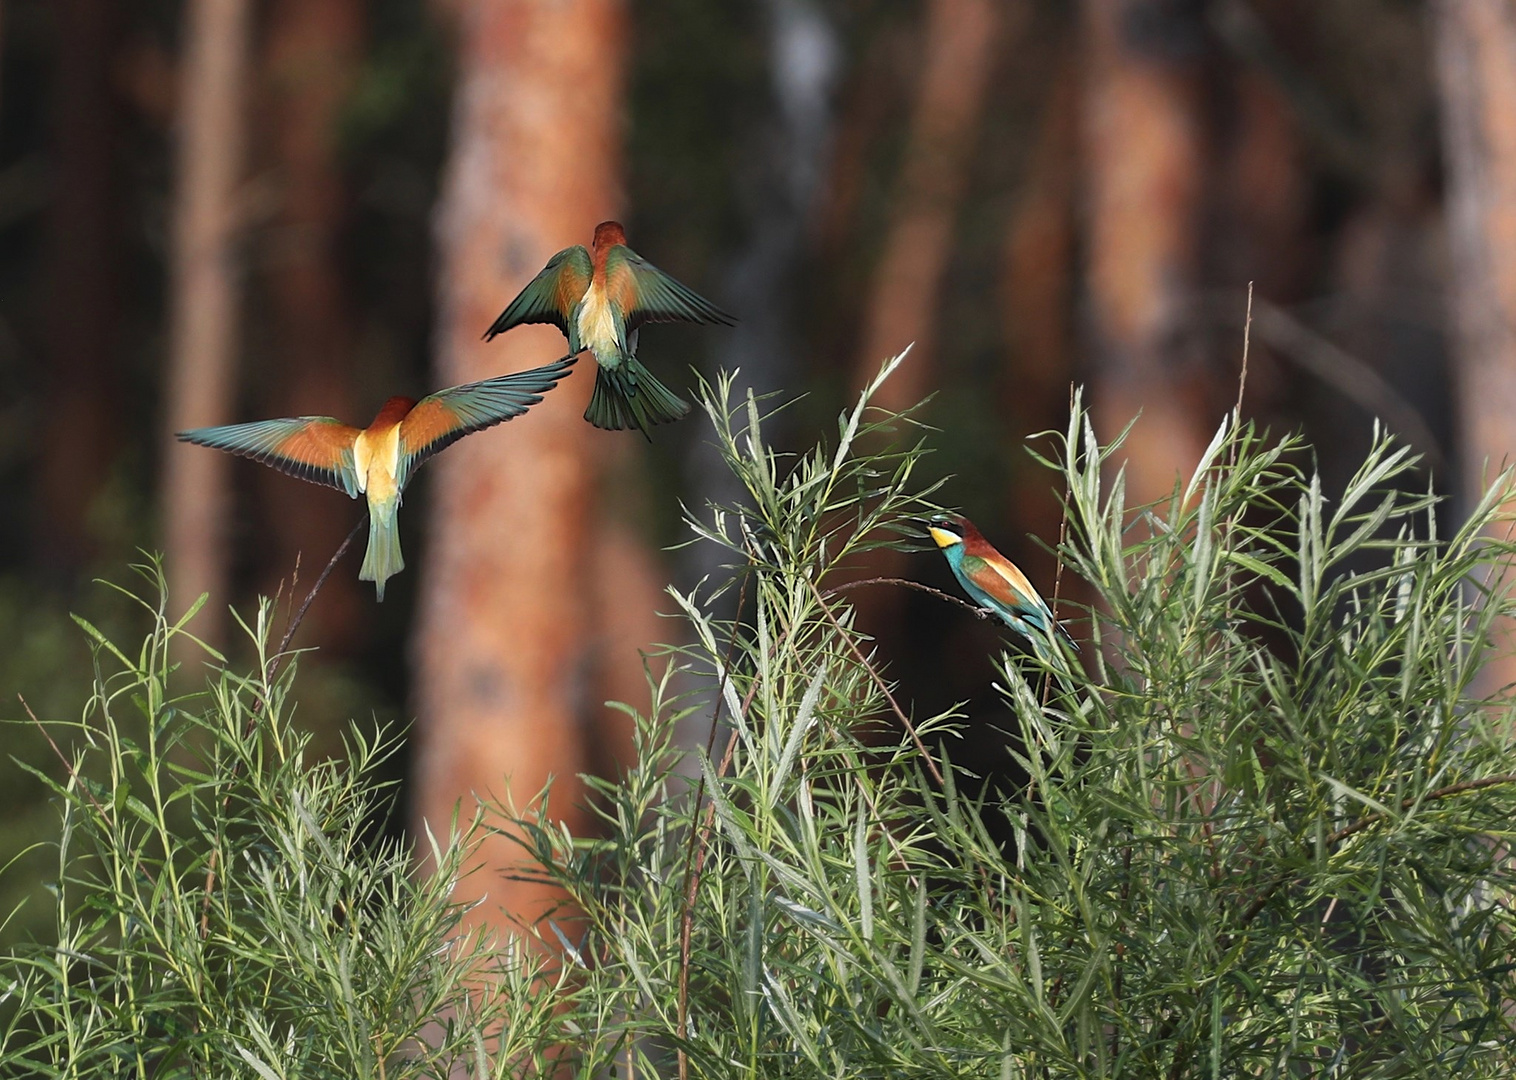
pixel 960 48
pixel 1037 295
pixel 79 428
pixel 204 299
pixel 628 583
pixel 1145 164
pixel 311 60
pixel 961 38
pixel 804 54
pixel 1476 66
pixel 502 646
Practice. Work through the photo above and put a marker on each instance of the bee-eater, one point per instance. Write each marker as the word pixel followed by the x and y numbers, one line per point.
pixel 599 298
pixel 993 581
pixel 379 460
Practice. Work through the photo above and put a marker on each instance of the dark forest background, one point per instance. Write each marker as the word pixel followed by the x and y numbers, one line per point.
pixel 223 210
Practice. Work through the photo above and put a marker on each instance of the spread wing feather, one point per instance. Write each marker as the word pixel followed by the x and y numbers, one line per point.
pixel 647 294
pixel 550 296
pixel 441 419
pixel 314 448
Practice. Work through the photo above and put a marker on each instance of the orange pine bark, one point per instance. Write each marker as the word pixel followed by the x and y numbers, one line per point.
pixel 1476 67
pixel 1144 158
pixel 501 647
pixel 960 47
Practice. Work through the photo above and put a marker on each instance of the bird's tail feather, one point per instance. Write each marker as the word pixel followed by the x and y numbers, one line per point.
pixel 383 560
pixel 629 396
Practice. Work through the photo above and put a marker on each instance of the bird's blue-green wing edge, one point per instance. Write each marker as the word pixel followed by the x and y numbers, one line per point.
pixel 441 419
pixel 538 302
pixel 306 447
pixel 660 298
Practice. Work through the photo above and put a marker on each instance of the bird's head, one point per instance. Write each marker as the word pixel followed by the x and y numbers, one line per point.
pixel 608 234
pixel 948 530
pixel 395 410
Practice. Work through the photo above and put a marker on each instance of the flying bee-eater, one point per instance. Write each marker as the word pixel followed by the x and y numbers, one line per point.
pixel 993 581
pixel 379 460
pixel 599 298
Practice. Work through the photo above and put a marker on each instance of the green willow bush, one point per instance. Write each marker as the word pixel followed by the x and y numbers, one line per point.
pixel 223 908
pixel 1264 834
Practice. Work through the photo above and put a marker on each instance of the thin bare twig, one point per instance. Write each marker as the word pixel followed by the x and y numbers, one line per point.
pixel 931 764
pixel 1355 379
pixel 67 765
pixel 305 606
pixel 1242 378
pixel 977 611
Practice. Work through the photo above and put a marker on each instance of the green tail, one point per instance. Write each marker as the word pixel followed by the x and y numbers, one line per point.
pixel 383 560
pixel 627 396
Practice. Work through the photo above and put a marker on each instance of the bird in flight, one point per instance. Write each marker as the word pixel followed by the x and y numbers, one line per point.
pixel 993 581
pixel 379 460
pixel 599 298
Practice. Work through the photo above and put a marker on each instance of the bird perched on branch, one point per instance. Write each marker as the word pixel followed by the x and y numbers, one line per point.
pixel 379 460
pixel 994 582
pixel 599 298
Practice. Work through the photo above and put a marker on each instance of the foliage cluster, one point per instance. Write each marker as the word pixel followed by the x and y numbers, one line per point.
pixel 226 904
pixel 1262 831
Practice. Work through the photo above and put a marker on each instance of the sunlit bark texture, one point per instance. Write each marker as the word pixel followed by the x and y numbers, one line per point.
pixel 960 45
pixel 1476 62
pixel 502 646
pixel 311 58
pixel 79 431
pixel 1144 163
pixel 204 300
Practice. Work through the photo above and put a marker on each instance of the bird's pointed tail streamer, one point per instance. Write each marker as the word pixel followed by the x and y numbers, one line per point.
pixel 383 560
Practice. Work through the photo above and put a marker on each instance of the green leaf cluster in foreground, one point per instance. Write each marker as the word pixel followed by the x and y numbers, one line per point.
pixel 1265 830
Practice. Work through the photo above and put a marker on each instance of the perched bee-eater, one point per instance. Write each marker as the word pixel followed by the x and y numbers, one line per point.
pixel 599 298
pixel 379 460
pixel 993 581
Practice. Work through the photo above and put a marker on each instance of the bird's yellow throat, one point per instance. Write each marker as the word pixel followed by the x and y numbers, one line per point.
pixel 944 538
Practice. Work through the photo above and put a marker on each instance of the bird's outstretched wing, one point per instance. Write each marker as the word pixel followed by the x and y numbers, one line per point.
pixel 551 295
pixel 314 448
pixel 646 294
pixel 441 419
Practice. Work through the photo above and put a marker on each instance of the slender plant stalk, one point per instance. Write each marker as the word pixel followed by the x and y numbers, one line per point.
pixel 211 864
pixel 698 837
pixel 926 755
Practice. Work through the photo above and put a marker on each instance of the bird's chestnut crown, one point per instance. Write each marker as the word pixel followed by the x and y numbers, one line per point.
pixel 609 234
